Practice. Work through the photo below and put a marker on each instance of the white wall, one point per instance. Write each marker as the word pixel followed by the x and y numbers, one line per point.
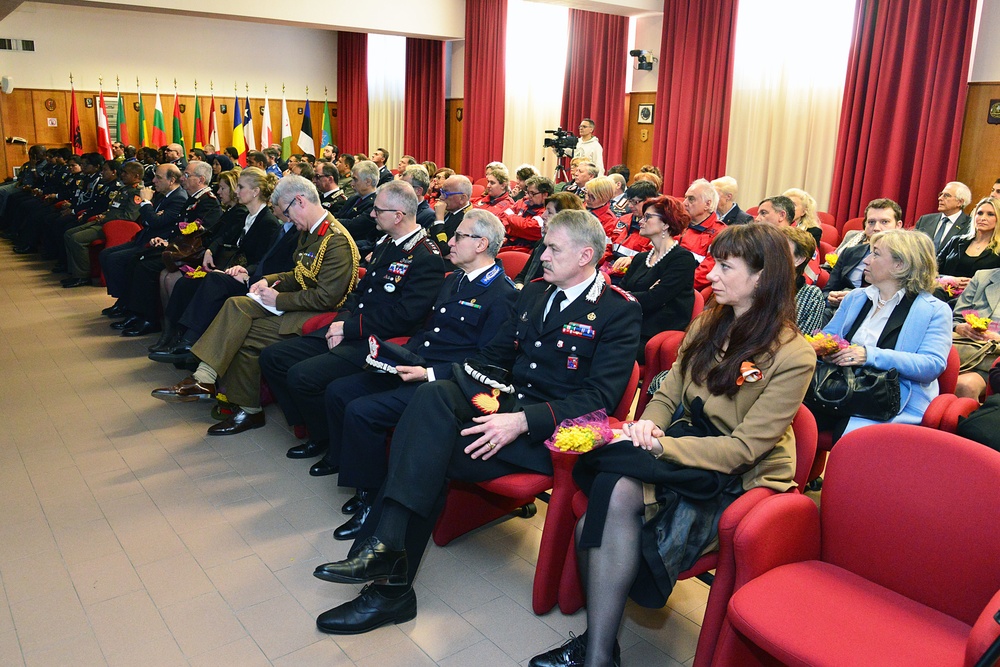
pixel 92 42
pixel 985 48
pixel 454 63
pixel 648 31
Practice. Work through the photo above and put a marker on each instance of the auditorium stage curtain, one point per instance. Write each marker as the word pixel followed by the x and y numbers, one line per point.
pixel 386 94
pixel 786 102
pixel 352 92
pixel 904 100
pixel 594 87
pixel 534 96
pixel 693 91
pixel 483 113
pixel 424 133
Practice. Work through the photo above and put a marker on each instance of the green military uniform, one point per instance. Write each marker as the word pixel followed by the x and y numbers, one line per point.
pixel 123 204
pixel 325 272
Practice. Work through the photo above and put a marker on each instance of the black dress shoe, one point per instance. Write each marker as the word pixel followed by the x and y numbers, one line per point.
pixel 238 422
pixel 367 612
pixel 176 355
pixel 76 282
pixel 125 324
pixel 306 450
pixel 353 504
pixel 322 468
pixel 116 310
pixel 350 529
pixel 373 562
pixel 141 328
pixel 572 653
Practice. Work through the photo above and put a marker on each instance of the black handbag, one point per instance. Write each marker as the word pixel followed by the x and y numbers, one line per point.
pixel 854 391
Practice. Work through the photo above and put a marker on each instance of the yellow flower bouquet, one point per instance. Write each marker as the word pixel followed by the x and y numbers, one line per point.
pixel 824 343
pixel 582 434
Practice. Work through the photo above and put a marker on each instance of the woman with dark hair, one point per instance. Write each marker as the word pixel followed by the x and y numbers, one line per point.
pixel 557 202
pixel 722 415
pixel 662 278
pixel 496 198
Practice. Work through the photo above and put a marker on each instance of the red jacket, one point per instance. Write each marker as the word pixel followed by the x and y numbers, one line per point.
pixel 525 227
pixel 502 206
pixel 606 218
pixel 697 239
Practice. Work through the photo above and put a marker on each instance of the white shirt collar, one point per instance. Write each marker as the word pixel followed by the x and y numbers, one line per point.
pixel 317 223
pixel 576 290
pixel 472 275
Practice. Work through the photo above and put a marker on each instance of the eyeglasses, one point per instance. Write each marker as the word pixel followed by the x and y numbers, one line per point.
pixel 462 235
pixel 945 195
pixel 287 208
pixel 445 193
pixel 529 193
pixel 647 216
pixel 379 211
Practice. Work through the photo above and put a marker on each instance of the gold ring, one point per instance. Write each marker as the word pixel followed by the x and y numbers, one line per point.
pixel 491 446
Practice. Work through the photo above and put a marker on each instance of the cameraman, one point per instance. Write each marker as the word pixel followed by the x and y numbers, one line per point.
pixel 589 147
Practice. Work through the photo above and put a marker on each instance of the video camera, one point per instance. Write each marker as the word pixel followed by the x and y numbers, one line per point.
pixel 562 143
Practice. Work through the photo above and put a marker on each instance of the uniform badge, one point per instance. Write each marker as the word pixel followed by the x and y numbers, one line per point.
pixel 389 287
pixel 524 317
pixel 487 403
pixel 559 344
pixel 573 362
pixel 591 316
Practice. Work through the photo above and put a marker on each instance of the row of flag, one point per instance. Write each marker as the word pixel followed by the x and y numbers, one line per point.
pixel 243 127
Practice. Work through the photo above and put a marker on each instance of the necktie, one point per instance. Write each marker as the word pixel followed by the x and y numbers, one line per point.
pixel 555 307
pixel 942 226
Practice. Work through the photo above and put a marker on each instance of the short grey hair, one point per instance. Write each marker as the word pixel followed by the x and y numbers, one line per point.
pixel 706 192
pixel 400 196
pixel 202 169
pixel 417 176
pixel 962 191
pixel 583 229
pixel 489 227
pixel 292 186
pixel 366 171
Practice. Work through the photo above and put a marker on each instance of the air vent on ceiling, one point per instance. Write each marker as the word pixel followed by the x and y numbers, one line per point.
pixel 7 44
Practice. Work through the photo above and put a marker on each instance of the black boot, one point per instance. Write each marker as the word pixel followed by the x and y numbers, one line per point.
pixel 167 337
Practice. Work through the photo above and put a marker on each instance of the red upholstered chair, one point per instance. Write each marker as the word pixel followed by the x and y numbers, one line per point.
pixel 721 560
pixel 470 506
pixel 852 225
pixel 752 211
pixel 660 355
pixel 830 234
pixel 827 218
pixel 480 181
pixel 825 249
pixel 513 261
pixel 899 568
pixel 477 190
pixel 116 232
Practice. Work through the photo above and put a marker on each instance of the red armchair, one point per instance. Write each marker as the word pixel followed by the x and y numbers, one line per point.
pixel 899 569
pixel 116 232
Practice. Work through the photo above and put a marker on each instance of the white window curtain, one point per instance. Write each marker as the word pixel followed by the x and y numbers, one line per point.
pixel 386 94
pixel 537 39
pixel 788 83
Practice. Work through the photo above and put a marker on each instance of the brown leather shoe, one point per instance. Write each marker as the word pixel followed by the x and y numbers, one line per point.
pixel 237 422
pixel 185 391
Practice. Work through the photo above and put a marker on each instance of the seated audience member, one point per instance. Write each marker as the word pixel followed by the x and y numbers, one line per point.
pixel 328 153
pixel 559 201
pixel 496 198
pixel 256 159
pixel 355 214
pixel 729 211
pixel 65 193
pixel 598 201
pixel 747 442
pixel 443 436
pixel 272 155
pixel 305 169
pixel 950 220
pixel 521 175
pixel 418 179
pixel 404 162
pixel 275 308
pixel 437 180
pixel 894 322
pixel 123 205
pixel 525 227
pixel 393 299
pixel 193 154
pixel 977 348
pixel 805 213
pixel 361 408
pixel 962 256
pixel 174 153
pixel 345 165
pixel 619 202
pixel 995 192
pixel 330 195
pixel 89 209
pixel 453 202
pixel 574 165
pixel 243 235
pixel 662 278
pixel 700 201
pixel 380 156
pixel 429 166
pixel 809 300
pixel 880 215
pixel 779 211
pixel 628 240
pixel 650 177
pixel 583 174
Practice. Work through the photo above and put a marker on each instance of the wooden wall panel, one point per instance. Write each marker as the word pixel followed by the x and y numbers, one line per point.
pixel 638 137
pixel 45 134
pixel 16 120
pixel 453 134
pixel 979 157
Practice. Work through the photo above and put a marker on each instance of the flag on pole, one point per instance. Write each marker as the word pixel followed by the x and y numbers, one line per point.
pixel 158 136
pixel 75 139
pixel 121 123
pixel 238 142
pixel 213 126
pixel 199 127
pixel 326 138
pixel 103 132
pixel 266 136
pixel 305 140
pixel 178 134
pixel 144 139
pixel 248 133
pixel 286 130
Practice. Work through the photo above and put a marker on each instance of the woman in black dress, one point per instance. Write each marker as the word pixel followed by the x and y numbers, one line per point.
pixel 961 257
pixel 662 278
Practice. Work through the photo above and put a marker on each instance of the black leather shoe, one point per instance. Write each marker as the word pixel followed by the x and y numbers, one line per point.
pixel 373 562
pixel 367 612
pixel 238 422
pixel 178 354
pixel 125 324
pixel 116 310
pixel 350 529
pixel 353 504
pixel 306 450
pixel 322 468
pixel 141 328
pixel 76 282
pixel 572 653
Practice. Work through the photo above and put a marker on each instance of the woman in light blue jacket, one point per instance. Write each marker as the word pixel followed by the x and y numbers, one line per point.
pixel 895 322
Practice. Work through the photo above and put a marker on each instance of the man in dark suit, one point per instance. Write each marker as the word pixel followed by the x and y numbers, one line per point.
pixel 728 210
pixel 380 156
pixel 569 347
pixel 418 179
pixel 950 220
pixel 156 219
pixel 355 214
pixel 393 299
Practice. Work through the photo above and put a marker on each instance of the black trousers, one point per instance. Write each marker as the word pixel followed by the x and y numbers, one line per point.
pixel 298 370
pixel 206 301
pixel 114 264
pixel 142 295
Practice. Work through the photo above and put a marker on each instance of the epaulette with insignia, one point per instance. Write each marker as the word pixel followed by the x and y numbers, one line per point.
pixel 628 295
pixel 431 246
pixel 490 275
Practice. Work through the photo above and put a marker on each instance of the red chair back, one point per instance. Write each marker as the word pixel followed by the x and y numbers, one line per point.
pixel 752 211
pixel 826 218
pixel 480 181
pixel 706 296
pixel 117 232
pixel 948 380
pixel 806 435
pixel 830 235
pixel 825 249
pixel 852 225
pixel 513 261
pixel 661 353
pixel 625 405
pixel 699 304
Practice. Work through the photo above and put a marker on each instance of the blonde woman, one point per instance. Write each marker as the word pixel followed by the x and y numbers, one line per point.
pixel 805 212
pixel 961 257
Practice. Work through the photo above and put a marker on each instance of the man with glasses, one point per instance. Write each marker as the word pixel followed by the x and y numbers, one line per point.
pixel 525 227
pixel 627 242
pixel 275 308
pixel 393 299
pixel 453 201
pixel 950 220
pixel 355 214
pixel 330 194
pixel 174 153
pixel 589 147
pixel 420 181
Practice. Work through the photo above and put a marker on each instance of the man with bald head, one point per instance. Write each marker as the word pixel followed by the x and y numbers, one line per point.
pixel 701 201
pixel 174 154
pixel 453 201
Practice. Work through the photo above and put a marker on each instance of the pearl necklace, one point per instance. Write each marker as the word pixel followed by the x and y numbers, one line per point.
pixel 658 258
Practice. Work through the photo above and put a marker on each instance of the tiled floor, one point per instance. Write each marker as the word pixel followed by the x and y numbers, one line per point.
pixel 128 537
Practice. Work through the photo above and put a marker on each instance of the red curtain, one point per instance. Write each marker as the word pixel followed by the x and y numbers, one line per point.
pixel 352 92
pixel 904 99
pixel 595 78
pixel 483 114
pixel 424 133
pixel 694 91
